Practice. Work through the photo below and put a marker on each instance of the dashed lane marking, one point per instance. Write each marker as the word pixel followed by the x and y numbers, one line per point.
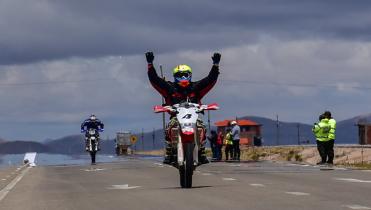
pixel 257 185
pixel 297 193
pixel 357 207
pixel 122 187
pixel 159 165
pixel 206 174
pixel 94 169
pixel 353 180
pixel 3 179
pixel 229 179
pixel 10 186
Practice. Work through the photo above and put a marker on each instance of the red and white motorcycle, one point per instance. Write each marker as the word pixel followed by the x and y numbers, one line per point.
pixel 186 137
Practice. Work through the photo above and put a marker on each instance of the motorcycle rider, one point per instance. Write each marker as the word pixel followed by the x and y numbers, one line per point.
pixel 182 90
pixel 91 123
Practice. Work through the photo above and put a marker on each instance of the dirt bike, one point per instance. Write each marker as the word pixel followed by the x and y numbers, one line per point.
pixel 186 137
pixel 92 137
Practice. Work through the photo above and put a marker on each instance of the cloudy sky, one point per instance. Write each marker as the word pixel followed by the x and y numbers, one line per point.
pixel 60 61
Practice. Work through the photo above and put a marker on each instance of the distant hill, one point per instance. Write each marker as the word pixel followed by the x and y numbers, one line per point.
pixel 21 147
pixel 346 133
pixel 290 133
pixel 75 144
pixel 347 130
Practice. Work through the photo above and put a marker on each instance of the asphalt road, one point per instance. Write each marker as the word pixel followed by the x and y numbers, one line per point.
pixel 147 184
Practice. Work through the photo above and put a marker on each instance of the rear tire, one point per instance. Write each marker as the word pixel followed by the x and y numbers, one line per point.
pixel 93 153
pixel 186 171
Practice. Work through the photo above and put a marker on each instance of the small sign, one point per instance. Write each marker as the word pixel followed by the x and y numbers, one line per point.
pixel 133 139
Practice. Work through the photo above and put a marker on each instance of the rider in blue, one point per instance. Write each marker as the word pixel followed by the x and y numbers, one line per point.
pixel 94 123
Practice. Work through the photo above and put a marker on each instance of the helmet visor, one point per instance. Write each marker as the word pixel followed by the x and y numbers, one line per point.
pixel 182 74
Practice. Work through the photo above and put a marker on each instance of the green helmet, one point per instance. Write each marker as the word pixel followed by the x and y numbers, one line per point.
pixel 182 68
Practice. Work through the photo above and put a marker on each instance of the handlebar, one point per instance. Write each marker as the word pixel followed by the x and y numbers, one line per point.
pixel 99 130
pixel 173 109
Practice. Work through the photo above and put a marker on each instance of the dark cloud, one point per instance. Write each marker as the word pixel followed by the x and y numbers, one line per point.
pixel 48 30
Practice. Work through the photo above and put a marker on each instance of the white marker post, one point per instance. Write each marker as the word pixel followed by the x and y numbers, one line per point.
pixel 29 158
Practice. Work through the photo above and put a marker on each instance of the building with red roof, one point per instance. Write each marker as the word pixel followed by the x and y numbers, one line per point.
pixel 249 129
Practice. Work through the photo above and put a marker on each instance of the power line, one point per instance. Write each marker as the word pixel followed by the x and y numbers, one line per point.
pixel 25 84
pixel 283 84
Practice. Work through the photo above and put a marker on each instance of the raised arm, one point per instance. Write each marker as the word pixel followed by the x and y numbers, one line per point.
pixel 157 82
pixel 204 86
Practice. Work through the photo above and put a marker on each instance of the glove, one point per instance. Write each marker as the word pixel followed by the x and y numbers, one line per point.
pixel 150 57
pixel 216 58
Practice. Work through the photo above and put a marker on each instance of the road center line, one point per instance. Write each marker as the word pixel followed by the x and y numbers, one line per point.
pixel 257 185
pixel 357 207
pixel 229 179
pixel 122 187
pixel 206 174
pixel 11 185
pixel 297 193
pixel 353 180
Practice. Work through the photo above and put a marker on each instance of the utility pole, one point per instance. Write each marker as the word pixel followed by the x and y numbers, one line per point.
pixel 153 139
pixel 142 139
pixel 298 126
pixel 163 102
pixel 208 120
pixel 278 131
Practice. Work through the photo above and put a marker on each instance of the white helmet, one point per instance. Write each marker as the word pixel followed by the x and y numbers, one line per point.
pixel 93 117
pixel 233 122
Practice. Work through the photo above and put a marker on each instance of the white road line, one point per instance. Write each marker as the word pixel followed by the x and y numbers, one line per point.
pixel 159 164
pixel 206 174
pixel 10 186
pixel 229 179
pixel 3 179
pixel 122 187
pixel 297 193
pixel 353 180
pixel 94 169
pixel 357 207
pixel 257 185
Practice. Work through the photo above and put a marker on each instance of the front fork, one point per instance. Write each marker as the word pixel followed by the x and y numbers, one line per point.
pixel 180 150
pixel 91 145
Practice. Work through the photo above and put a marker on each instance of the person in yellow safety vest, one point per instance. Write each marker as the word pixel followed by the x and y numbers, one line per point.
pixel 228 141
pixel 321 131
pixel 331 136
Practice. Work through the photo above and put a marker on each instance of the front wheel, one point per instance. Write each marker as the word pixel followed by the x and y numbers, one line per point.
pixel 92 155
pixel 93 152
pixel 186 170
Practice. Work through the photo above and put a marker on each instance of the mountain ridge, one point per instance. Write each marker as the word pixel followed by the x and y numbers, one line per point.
pixel 289 133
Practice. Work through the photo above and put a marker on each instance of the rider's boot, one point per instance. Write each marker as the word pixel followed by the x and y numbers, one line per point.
pixel 98 144
pixel 202 159
pixel 169 158
pixel 86 145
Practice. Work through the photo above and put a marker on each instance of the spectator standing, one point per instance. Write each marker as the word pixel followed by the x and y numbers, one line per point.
pixel 331 138
pixel 228 141
pixel 212 139
pixel 236 140
pixel 321 131
pixel 218 146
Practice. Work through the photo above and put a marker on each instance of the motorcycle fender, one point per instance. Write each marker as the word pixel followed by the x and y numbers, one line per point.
pixel 195 154
pixel 180 151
